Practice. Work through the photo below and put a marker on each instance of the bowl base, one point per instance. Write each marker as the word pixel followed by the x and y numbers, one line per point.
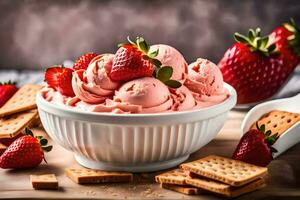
pixel 146 167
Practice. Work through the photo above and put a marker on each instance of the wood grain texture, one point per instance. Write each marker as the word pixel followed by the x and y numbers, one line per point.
pixel 283 179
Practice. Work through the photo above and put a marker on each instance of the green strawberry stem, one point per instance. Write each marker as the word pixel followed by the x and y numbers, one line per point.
pixel 163 73
pixel 256 42
pixel 8 83
pixel 294 39
pixel 270 139
pixel 43 142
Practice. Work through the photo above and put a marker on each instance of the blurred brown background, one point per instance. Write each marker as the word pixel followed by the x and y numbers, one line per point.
pixel 37 33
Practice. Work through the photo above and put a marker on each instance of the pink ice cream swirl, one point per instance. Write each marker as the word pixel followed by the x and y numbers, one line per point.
pixel 149 94
pixel 205 80
pixel 183 99
pixel 94 86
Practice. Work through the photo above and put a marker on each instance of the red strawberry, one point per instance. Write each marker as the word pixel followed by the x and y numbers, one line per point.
pixel 258 66
pixel 25 152
pixel 130 61
pixel 83 61
pixel 7 90
pixel 255 147
pixel 60 79
pixel 133 60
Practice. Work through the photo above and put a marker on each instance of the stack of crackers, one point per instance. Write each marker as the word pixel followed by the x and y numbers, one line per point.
pixel 214 174
pixel 18 113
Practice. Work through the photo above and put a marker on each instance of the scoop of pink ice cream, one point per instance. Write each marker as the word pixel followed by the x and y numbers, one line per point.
pixel 148 92
pixel 96 73
pixel 183 99
pixel 204 77
pixel 169 56
pixel 94 85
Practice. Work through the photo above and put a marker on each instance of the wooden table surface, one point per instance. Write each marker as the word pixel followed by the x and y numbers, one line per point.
pixel 283 179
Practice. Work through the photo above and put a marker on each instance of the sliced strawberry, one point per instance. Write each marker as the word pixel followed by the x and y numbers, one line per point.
pixel 255 147
pixel 60 79
pixel 83 61
pixel 24 152
pixel 7 90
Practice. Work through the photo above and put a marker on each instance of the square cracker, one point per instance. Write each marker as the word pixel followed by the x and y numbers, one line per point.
pixel 232 172
pixel 184 189
pixel 176 176
pixel 22 100
pixel 278 121
pixel 45 181
pixel 12 125
pixel 83 176
pixel 225 189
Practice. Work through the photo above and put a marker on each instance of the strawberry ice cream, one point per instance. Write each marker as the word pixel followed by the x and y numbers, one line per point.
pixel 199 85
pixel 149 93
pixel 183 99
pixel 169 56
pixel 94 85
pixel 204 77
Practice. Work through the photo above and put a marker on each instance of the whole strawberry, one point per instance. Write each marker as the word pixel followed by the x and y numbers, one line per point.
pixel 25 152
pixel 130 61
pixel 258 66
pixel 60 79
pixel 83 61
pixel 134 60
pixel 7 90
pixel 255 147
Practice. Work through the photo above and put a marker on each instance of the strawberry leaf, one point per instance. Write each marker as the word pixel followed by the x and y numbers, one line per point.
pixel 165 73
pixel 47 148
pixel 241 38
pixel 43 142
pixel 251 34
pixel 130 41
pixel 142 45
pixel 156 62
pixel 262 128
pixel 273 150
pixel 153 54
pixel 268 133
pixel 28 132
pixel 173 83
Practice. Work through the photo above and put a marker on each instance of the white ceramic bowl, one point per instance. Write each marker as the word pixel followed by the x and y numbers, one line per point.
pixel 133 142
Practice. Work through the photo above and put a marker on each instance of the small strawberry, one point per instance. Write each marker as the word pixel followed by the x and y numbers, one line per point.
pixel 24 152
pixel 255 147
pixel 258 66
pixel 133 60
pixel 7 90
pixel 83 61
pixel 60 79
